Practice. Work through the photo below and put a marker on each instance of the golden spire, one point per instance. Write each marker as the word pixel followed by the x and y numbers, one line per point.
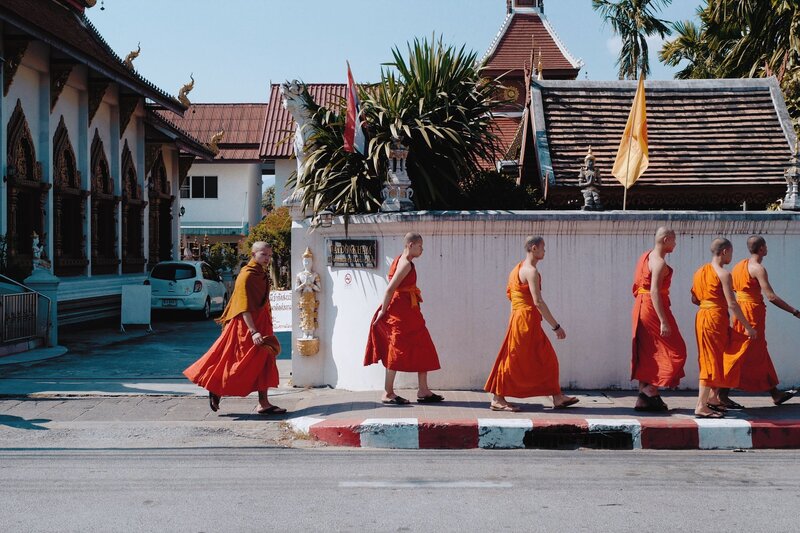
pixel 215 140
pixel 133 55
pixel 308 253
pixel 185 90
pixel 539 66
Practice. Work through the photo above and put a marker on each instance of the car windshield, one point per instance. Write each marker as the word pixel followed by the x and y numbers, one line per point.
pixel 173 272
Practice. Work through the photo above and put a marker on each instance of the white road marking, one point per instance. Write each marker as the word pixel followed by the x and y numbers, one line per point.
pixel 424 484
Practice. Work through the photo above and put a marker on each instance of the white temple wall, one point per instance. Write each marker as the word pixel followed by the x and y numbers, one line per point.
pixel 283 169
pixel 586 281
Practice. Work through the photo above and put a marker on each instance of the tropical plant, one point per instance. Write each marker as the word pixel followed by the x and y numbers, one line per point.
pixel 275 229
pixel 435 102
pixel 492 190
pixel 222 256
pixel 743 38
pixel 268 198
pixel 633 21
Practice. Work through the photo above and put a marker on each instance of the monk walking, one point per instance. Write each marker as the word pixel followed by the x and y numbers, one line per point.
pixel 398 337
pixel 242 360
pixel 527 364
pixel 750 280
pixel 659 351
pixel 719 349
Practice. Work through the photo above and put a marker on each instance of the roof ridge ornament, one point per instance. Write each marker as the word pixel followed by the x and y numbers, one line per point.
pixel 185 90
pixel 133 55
pixel 213 143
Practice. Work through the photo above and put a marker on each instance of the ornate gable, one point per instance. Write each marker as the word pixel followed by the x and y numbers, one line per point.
pixel 22 164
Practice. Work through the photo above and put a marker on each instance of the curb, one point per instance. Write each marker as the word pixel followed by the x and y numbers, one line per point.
pixel 610 433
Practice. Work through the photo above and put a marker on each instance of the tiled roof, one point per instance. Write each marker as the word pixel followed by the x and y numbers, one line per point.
pixel 70 31
pixel 511 48
pixel 276 141
pixel 243 125
pixel 160 119
pixel 721 133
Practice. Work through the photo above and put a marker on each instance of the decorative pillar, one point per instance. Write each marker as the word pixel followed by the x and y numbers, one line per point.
pixel 44 282
pixel 397 193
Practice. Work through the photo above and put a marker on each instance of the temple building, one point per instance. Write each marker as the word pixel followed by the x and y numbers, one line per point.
pixel 89 166
pixel 221 198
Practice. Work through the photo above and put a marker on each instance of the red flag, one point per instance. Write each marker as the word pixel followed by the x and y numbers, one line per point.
pixel 354 138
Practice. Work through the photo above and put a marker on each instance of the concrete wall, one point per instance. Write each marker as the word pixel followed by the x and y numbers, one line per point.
pixel 283 170
pixel 587 276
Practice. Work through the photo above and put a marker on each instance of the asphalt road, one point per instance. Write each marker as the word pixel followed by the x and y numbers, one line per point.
pixel 197 490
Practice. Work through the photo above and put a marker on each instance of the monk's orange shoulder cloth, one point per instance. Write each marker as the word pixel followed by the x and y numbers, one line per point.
pixel 250 293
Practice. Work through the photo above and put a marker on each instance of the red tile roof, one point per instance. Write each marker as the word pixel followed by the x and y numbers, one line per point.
pixel 67 30
pixel 243 125
pixel 511 49
pixel 276 141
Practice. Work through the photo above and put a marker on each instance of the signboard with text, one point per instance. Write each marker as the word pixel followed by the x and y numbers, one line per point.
pixel 353 253
pixel 281 303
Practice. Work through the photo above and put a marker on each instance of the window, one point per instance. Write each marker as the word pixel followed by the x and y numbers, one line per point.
pixel 199 187
pixel 173 272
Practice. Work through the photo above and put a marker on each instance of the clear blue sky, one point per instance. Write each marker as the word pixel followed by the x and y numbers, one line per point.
pixel 236 47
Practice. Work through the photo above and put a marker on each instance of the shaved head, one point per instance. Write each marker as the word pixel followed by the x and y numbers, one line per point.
pixel 259 245
pixel 411 238
pixel 754 243
pixel 663 232
pixel 533 240
pixel 719 245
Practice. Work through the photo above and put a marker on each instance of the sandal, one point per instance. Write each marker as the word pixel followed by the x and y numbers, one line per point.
pixel 566 403
pixel 507 407
pixel 271 410
pixel 431 398
pixel 786 396
pixel 715 414
pixel 651 403
pixel 717 408
pixel 213 401
pixel 397 400
pixel 730 404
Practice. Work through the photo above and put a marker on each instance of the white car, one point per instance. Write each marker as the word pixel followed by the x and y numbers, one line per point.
pixel 187 285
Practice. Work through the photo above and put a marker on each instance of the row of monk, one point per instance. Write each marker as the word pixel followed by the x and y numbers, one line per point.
pixel 732 352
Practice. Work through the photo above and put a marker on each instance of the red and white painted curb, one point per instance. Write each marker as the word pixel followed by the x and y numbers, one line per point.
pixel 646 433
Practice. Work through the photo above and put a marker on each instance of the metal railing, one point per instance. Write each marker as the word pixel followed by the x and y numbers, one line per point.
pixel 19 315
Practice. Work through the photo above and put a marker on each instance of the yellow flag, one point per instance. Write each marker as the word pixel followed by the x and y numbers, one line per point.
pixel 632 157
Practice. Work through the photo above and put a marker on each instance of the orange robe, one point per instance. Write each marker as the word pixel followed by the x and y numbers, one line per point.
pixel 757 371
pixel 527 364
pixel 234 365
pixel 401 340
pixel 719 348
pixel 656 360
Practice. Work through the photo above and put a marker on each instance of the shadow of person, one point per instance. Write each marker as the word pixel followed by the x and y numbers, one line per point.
pixel 23 423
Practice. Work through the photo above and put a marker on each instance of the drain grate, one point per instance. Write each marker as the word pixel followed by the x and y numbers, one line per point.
pixel 571 440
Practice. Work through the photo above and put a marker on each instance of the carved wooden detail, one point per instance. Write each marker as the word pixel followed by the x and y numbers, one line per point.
pixel 132 215
pixel 104 212
pixel 59 74
pixel 127 105
pixel 151 153
pixel 160 217
pixel 97 89
pixel 14 49
pixel 69 207
pixel 27 195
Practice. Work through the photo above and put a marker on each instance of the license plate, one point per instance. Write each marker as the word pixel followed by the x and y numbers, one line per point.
pixel 169 302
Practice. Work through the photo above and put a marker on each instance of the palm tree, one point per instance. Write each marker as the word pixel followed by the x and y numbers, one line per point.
pixel 633 21
pixel 434 101
pixel 691 45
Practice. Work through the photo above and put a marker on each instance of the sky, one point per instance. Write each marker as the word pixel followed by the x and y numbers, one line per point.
pixel 236 48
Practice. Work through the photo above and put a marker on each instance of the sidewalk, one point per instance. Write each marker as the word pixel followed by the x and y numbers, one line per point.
pixel 113 390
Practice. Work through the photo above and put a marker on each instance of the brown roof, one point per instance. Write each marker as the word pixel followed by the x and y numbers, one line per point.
pixel 276 141
pixel 167 130
pixel 243 125
pixel 729 133
pixel 70 31
pixel 511 48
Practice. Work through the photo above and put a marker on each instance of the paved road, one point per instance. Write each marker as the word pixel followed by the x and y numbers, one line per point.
pixel 339 490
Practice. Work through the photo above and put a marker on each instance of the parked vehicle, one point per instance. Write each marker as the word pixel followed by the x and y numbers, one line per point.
pixel 187 285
